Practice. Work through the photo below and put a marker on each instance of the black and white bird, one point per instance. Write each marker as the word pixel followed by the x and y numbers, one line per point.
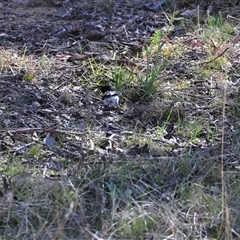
pixel 110 97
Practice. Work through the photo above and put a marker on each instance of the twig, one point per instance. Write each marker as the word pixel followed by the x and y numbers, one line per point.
pixel 41 130
pixel 218 56
pixel 82 157
pixel 93 235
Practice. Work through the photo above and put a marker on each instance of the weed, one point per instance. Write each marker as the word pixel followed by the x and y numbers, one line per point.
pixel 156 37
pixel 219 63
pixel 218 29
pixel 34 150
pixel 145 86
pixel 45 63
pixel 122 78
pixel 29 76
pixel 12 167
pixel 135 228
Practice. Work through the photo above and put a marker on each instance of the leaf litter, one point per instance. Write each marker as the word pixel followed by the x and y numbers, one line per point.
pixel 55 54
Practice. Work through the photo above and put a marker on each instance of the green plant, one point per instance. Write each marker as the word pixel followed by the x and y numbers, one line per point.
pixel 34 150
pixel 45 63
pixel 24 53
pixel 218 28
pixel 14 168
pixel 156 37
pixel 122 78
pixel 29 76
pixel 145 85
pixel 219 63
pixel 80 49
pixel 136 225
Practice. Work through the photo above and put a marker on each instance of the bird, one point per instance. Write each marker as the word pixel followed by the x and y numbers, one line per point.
pixel 110 98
